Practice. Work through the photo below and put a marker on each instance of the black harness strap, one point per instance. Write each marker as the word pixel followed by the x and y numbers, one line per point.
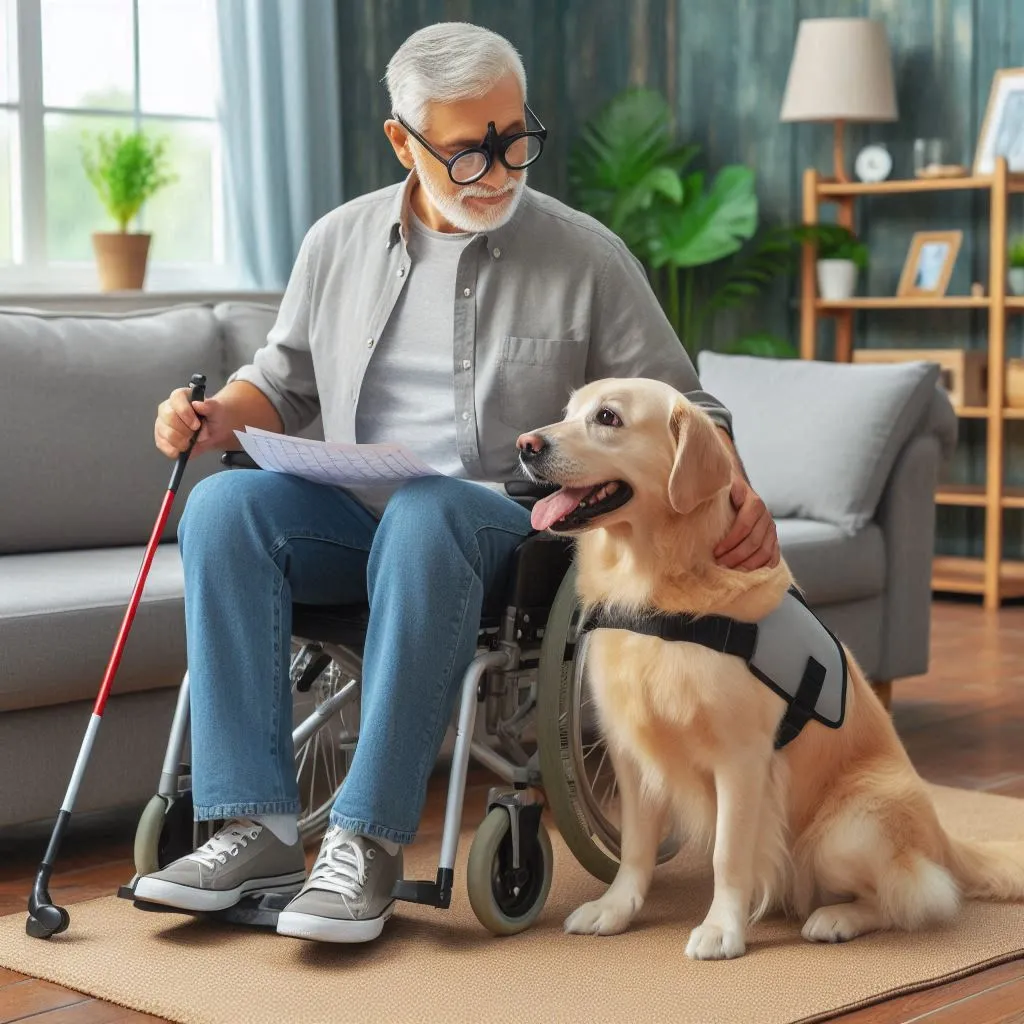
pixel 799 712
pixel 719 632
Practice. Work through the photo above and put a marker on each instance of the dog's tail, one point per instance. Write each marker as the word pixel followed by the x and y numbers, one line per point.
pixel 987 870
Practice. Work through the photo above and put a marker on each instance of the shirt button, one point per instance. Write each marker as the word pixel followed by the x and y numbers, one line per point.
pixel 466 364
pixel 497 253
pixel 369 342
pixel 465 415
pixel 401 271
pixel 467 292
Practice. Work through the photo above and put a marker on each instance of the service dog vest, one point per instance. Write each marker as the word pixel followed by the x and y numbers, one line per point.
pixel 790 650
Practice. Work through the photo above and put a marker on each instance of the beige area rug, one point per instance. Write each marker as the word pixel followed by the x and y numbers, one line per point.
pixel 441 966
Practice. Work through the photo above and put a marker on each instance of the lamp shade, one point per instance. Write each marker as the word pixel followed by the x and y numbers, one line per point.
pixel 841 70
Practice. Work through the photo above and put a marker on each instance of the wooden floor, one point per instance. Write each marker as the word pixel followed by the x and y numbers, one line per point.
pixel 963 725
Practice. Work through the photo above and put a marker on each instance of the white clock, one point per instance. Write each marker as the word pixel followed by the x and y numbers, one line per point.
pixel 873 163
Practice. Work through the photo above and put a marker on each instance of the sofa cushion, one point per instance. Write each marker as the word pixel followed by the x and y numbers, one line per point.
pixel 819 439
pixel 245 326
pixel 79 395
pixel 59 617
pixel 831 565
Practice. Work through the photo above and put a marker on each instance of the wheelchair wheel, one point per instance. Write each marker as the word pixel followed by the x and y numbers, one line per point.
pixel 576 769
pixel 323 760
pixel 507 900
pixel 164 833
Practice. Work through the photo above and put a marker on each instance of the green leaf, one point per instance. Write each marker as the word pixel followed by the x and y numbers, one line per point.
pixel 125 170
pixel 661 181
pixel 832 242
pixel 708 225
pixel 768 346
pixel 1015 252
pixel 619 147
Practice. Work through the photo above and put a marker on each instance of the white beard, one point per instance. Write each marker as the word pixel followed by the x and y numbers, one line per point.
pixel 459 215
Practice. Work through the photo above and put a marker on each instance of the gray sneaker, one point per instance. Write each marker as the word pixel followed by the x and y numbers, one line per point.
pixel 241 859
pixel 348 895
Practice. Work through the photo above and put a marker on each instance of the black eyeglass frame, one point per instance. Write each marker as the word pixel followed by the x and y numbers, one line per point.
pixel 493 145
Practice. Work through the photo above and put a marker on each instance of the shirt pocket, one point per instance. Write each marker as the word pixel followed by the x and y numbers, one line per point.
pixel 536 377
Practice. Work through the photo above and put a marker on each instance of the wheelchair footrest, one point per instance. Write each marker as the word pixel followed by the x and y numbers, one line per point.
pixel 432 894
pixel 260 911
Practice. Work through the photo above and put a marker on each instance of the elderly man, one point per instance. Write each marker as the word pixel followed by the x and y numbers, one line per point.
pixel 449 313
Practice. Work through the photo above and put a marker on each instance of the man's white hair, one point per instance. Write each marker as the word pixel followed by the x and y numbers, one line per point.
pixel 447 62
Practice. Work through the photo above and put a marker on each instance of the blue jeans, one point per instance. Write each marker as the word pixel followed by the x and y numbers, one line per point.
pixel 252 542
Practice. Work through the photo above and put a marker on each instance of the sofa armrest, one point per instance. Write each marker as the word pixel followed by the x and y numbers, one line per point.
pixel 906 515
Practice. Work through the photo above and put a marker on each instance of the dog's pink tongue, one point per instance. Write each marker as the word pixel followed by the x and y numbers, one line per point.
pixel 550 509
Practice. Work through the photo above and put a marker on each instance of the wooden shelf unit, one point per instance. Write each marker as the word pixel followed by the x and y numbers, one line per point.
pixel 993 577
pixel 976 496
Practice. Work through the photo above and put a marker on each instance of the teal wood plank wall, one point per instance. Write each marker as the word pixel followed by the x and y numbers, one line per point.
pixel 723 64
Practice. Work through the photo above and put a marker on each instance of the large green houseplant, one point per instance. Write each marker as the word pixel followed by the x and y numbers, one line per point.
pixel 696 236
pixel 126 171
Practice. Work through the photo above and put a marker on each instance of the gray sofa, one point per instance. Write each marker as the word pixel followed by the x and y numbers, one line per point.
pixel 81 483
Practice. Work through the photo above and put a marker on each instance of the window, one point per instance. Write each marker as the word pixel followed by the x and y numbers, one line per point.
pixel 70 69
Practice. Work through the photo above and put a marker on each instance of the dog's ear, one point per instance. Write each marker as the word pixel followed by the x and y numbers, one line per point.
pixel 702 466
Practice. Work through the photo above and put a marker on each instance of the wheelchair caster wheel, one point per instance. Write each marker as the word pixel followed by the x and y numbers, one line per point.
pixel 164 833
pixel 506 899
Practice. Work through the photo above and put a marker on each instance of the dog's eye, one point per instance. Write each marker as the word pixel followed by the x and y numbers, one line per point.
pixel 607 418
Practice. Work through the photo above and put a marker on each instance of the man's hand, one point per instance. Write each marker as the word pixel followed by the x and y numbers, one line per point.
pixel 236 406
pixel 177 419
pixel 752 543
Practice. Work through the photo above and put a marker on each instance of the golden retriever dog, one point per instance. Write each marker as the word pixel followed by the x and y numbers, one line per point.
pixel 835 827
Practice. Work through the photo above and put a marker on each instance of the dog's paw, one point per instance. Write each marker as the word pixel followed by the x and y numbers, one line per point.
pixel 711 942
pixel 607 916
pixel 838 923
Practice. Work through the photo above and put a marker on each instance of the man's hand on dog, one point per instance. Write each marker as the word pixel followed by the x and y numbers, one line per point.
pixel 752 542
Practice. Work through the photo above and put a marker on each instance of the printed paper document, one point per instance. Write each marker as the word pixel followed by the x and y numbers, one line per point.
pixel 327 462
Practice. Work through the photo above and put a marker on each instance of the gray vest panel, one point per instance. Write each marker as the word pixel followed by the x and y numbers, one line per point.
pixel 785 640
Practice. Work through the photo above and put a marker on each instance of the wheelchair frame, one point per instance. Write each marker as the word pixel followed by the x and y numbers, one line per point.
pixel 502 652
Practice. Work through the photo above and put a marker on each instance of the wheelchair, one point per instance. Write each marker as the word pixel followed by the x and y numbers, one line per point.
pixel 525 713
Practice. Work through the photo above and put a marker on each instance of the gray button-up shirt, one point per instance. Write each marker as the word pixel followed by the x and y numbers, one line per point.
pixel 548 302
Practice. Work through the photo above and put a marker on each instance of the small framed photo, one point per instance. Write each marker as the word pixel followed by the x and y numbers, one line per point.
pixel 1002 131
pixel 929 264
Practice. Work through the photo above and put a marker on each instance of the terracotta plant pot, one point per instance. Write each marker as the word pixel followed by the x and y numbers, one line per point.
pixel 121 259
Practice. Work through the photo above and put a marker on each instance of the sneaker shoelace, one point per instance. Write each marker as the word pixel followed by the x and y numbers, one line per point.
pixel 341 865
pixel 226 842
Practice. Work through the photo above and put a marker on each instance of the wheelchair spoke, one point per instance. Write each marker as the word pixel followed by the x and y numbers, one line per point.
pixel 312 774
pixel 302 763
pixel 614 788
pixel 321 717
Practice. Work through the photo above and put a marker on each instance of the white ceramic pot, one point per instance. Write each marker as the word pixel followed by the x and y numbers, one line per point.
pixel 1016 276
pixel 837 279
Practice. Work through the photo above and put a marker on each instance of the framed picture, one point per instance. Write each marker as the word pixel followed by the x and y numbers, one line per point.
pixel 929 264
pixel 1002 131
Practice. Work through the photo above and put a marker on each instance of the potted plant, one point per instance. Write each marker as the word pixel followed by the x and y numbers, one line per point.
pixel 126 170
pixel 1015 258
pixel 696 233
pixel 840 256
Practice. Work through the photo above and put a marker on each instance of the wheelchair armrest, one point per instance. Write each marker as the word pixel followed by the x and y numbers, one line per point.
pixel 537 569
pixel 238 460
pixel 526 492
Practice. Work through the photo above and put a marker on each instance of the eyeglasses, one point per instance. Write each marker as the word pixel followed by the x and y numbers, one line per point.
pixel 516 151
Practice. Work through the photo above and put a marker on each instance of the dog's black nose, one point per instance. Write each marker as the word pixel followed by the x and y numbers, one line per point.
pixel 530 445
